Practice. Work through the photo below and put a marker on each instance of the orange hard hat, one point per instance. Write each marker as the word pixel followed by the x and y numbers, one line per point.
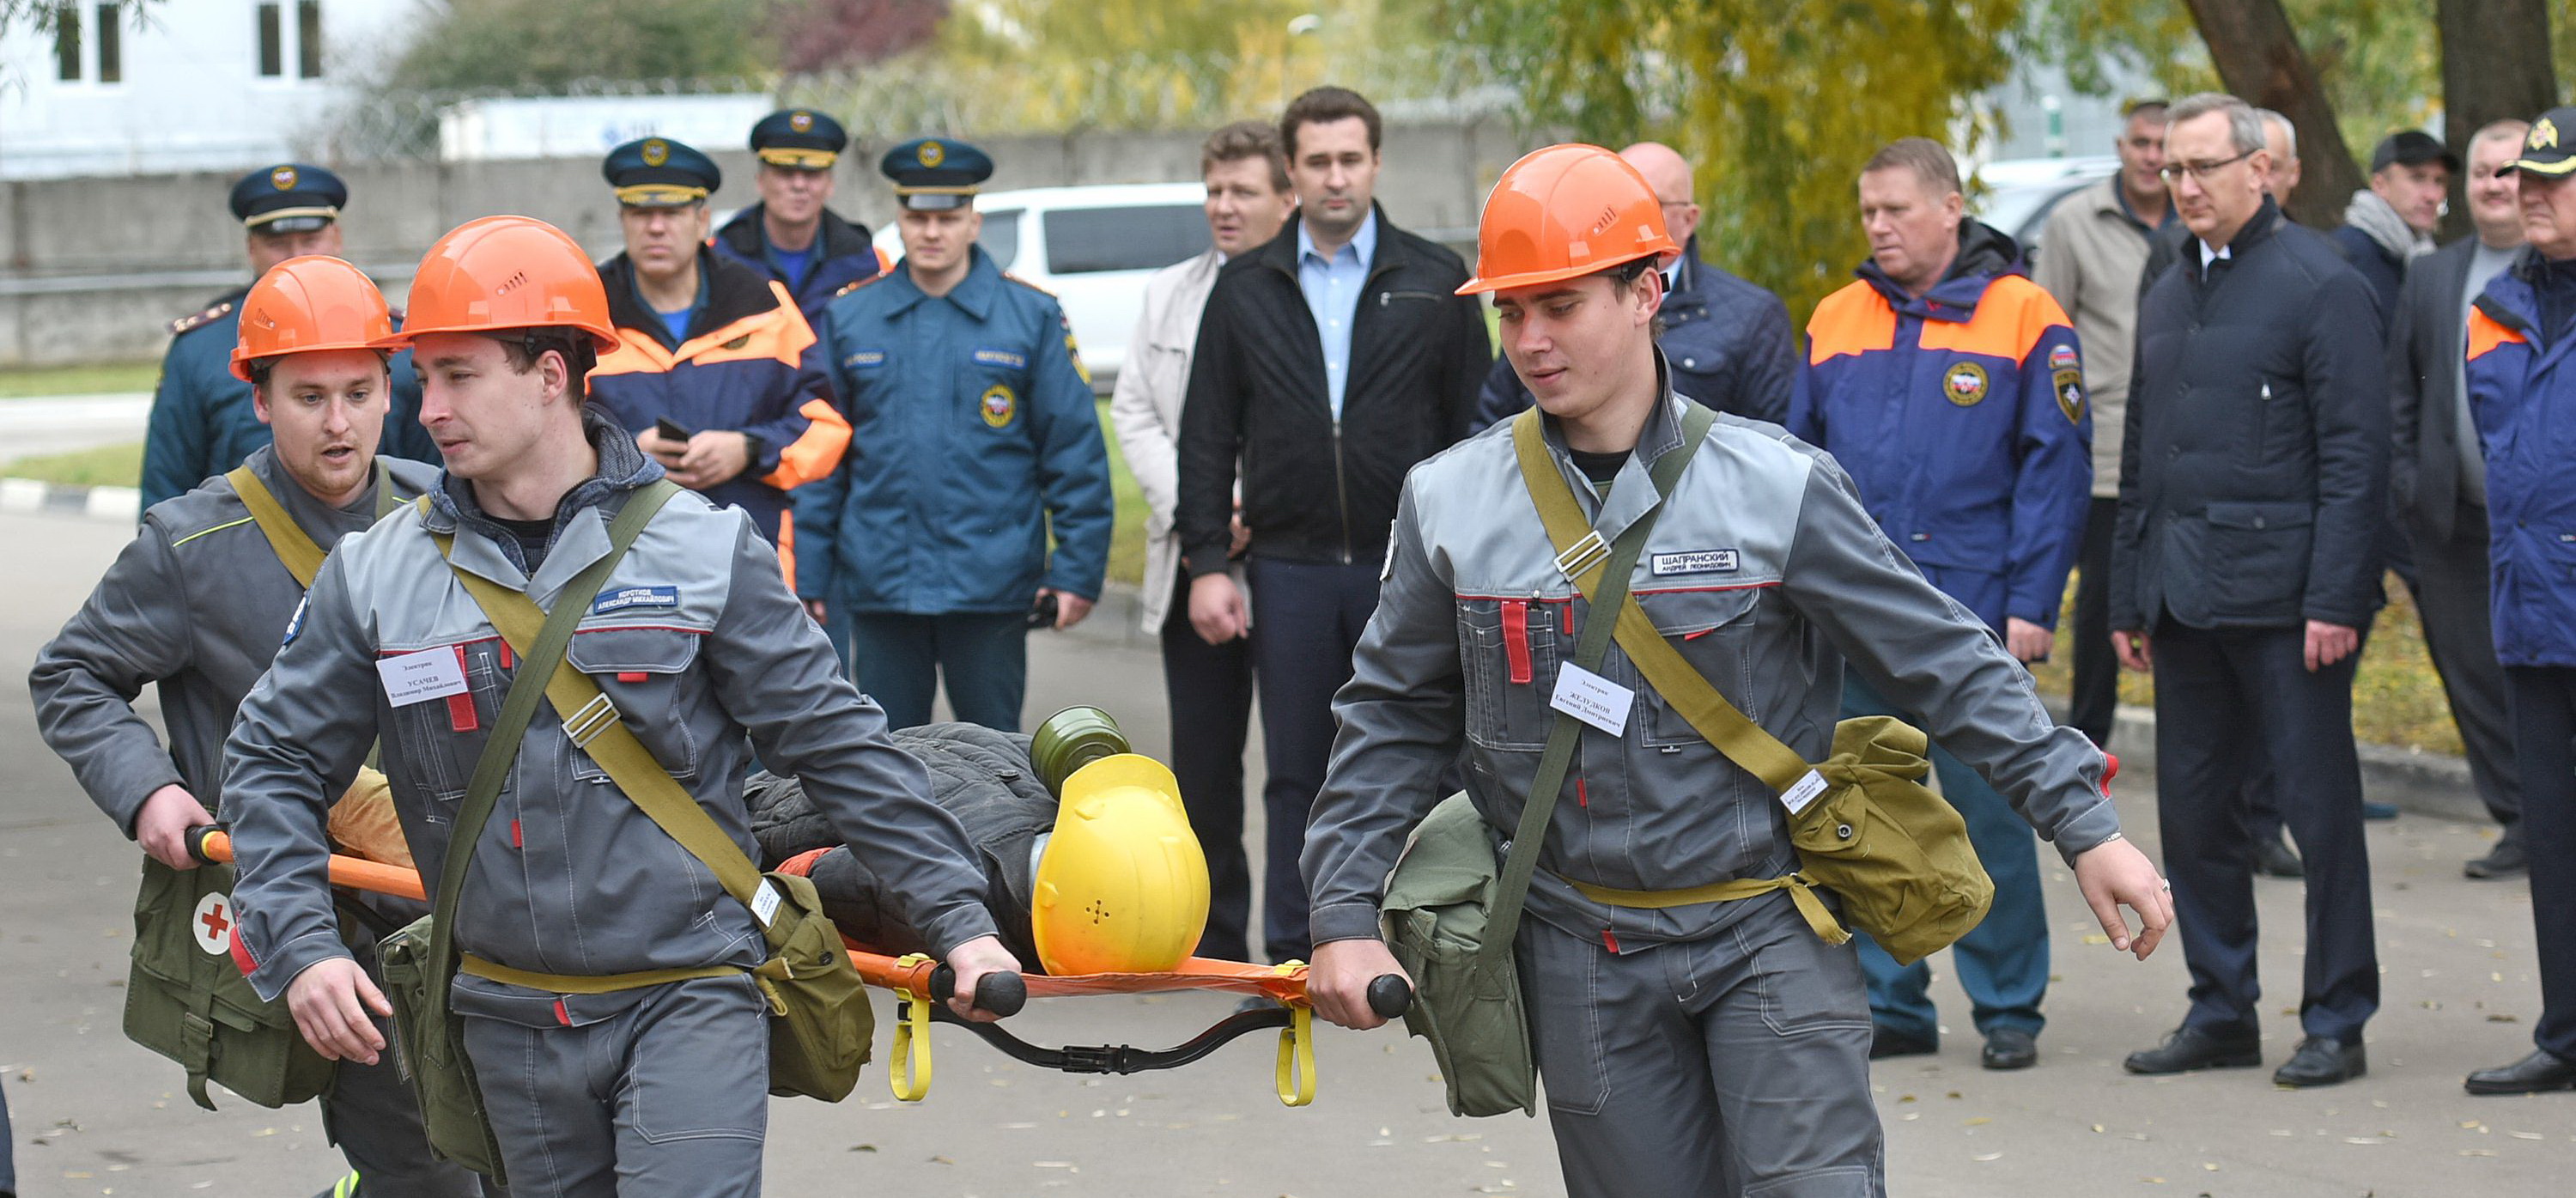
pixel 502 273
pixel 1565 211
pixel 306 304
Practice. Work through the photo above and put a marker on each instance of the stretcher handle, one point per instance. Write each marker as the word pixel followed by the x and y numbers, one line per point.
pixel 1000 993
pixel 212 845
pixel 1390 995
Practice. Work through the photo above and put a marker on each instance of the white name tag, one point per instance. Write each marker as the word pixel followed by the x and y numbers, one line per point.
pixel 1591 698
pixel 419 677
pixel 1702 561
pixel 764 902
pixel 1806 791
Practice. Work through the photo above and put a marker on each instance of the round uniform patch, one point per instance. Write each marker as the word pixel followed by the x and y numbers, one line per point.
pixel 800 121
pixel 656 151
pixel 212 924
pixel 931 153
pixel 283 178
pixel 998 405
pixel 1964 383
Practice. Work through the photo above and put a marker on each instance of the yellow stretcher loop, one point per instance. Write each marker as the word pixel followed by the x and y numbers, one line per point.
pixel 1296 1078
pixel 910 1075
pixel 1801 891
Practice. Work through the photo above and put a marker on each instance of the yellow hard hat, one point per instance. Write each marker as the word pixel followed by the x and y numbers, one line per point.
pixel 1122 886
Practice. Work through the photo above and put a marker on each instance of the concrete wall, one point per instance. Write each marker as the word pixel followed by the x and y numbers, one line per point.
pixel 94 269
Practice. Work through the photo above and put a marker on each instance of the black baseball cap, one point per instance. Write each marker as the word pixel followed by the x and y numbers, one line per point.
pixel 2544 151
pixel 2411 147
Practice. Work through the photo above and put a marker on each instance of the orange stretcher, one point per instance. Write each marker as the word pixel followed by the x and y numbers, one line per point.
pixel 918 981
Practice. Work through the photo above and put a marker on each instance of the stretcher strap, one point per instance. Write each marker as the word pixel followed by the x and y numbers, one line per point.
pixel 1295 1082
pixel 910 1076
pixel 1801 891
pixel 606 983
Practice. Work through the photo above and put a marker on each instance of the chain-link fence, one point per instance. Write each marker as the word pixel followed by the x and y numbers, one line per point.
pixel 926 94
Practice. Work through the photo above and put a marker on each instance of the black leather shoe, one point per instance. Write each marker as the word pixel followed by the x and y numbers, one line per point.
pixel 1885 1042
pixel 2321 1062
pixel 2507 859
pixel 2538 1073
pixel 2190 1048
pixel 2274 858
pixel 2010 1048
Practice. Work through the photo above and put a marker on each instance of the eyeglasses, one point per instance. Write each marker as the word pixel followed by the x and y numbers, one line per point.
pixel 2199 171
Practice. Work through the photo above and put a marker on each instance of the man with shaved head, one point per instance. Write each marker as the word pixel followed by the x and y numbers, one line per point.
pixel 1726 341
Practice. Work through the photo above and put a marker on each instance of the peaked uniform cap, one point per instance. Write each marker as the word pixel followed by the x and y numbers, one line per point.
pixel 1565 211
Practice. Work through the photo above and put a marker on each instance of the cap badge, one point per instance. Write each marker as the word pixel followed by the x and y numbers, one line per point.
pixel 800 121
pixel 283 178
pixel 2544 135
pixel 656 151
pixel 931 154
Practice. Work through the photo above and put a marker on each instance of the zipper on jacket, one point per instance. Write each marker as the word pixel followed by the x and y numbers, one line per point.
pixel 1341 491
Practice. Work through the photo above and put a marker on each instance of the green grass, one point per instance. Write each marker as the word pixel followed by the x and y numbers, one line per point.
pixel 2396 697
pixel 102 378
pixel 105 466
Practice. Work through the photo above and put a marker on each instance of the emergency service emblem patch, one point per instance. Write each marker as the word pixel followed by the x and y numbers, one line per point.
pixel 2544 135
pixel 1964 383
pixel 802 122
pixel 656 151
pixel 212 924
pixel 2062 357
pixel 2069 385
pixel 1698 561
pixel 931 153
pixel 283 178
pixel 998 405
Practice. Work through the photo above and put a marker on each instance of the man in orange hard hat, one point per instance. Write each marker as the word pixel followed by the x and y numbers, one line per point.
pixel 604 997
pixel 197 604
pixel 1689 1046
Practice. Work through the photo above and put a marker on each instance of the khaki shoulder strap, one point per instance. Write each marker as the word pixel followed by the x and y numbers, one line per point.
pixel 1663 667
pixel 593 723
pixel 302 557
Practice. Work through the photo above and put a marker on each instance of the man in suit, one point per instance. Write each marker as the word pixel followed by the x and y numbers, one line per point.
pixel 2439 478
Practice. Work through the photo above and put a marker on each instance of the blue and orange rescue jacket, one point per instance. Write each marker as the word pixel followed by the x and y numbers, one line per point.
pixel 2522 389
pixel 842 256
pixel 750 364
pixel 1961 415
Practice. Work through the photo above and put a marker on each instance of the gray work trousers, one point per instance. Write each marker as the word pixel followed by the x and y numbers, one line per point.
pixel 372 1116
pixel 1732 1065
pixel 666 1098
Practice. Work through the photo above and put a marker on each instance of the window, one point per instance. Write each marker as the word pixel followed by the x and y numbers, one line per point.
pixel 272 42
pixel 308 38
pixel 1083 240
pixel 67 47
pixel 111 51
pixel 1001 236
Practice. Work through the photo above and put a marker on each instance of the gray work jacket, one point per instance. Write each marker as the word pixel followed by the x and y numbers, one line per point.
pixel 196 604
pixel 1768 575
pixel 697 641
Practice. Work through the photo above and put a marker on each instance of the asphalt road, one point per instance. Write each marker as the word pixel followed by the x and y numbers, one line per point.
pixel 34 427
pixel 96 1115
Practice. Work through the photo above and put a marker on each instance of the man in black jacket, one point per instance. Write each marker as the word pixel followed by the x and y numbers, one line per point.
pixel 2252 486
pixel 1728 341
pixel 1329 361
pixel 2439 477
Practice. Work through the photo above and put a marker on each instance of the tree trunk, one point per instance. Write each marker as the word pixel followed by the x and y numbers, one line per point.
pixel 2495 64
pixel 2258 57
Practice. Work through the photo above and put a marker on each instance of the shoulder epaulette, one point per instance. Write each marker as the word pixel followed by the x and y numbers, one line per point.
pixel 861 283
pixel 1031 286
pixel 201 319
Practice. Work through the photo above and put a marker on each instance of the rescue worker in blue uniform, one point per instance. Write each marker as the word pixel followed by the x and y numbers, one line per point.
pixel 1949 385
pixel 202 422
pixel 2522 386
pixel 975 438
pixel 710 346
pixel 792 235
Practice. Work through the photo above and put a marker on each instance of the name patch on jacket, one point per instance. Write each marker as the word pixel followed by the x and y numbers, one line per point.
pixel 1698 561
pixel 630 598
pixel 1001 357
pixel 295 623
pixel 864 359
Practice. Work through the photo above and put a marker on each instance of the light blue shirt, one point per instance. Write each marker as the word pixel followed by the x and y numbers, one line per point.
pixel 1332 288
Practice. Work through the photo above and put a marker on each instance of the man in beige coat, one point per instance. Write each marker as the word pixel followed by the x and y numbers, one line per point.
pixel 2090 253
pixel 1210 685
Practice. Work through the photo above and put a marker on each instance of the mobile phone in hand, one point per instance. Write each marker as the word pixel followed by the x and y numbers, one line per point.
pixel 1042 614
pixel 669 431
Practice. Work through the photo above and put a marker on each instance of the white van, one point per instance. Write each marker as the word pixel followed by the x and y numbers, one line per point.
pixel 1093 247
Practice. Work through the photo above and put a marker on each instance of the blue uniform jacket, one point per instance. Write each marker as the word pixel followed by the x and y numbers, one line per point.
pixel 203 422
pixel 750 364
pixel 842 256
pixel 1961 416
pixel 2522 390
pixel 1728 341
pixel 973 433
